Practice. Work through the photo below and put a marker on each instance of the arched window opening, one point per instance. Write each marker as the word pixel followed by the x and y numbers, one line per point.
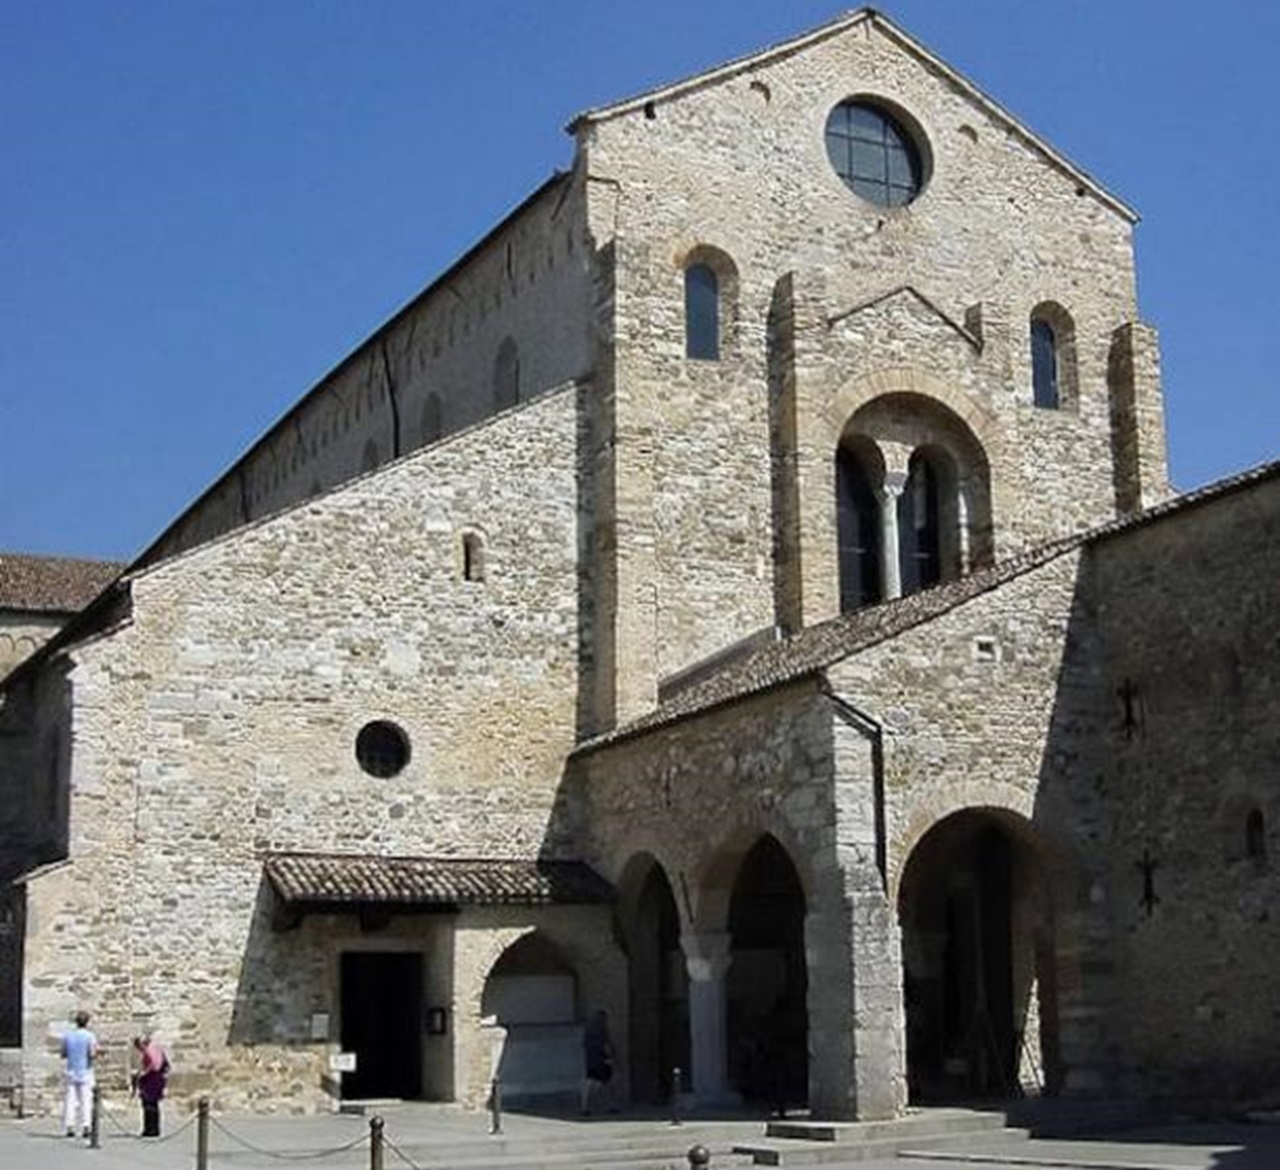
pixel 1255 836
pixel 920 525
pixel 1044 365
pixel 702 313
pixel 859 533
pixel 1053 357
pixel 506 375
pixel 472 557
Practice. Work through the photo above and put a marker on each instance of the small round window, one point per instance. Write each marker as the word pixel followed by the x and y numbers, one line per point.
pixel 382 749
pixel 874 154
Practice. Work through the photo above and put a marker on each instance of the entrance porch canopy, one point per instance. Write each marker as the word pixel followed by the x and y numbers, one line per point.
pixel 320 883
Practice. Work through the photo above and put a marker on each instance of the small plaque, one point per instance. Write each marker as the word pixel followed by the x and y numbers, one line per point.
pixel 342 1062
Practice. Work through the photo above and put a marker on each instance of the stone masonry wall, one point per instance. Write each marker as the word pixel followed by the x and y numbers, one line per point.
pixel 738 164
pixel 698 795
pixel 220 724
pixel 1191 627
pixel 994 706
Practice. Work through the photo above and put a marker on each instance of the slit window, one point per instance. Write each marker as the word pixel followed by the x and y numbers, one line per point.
pixel 472 557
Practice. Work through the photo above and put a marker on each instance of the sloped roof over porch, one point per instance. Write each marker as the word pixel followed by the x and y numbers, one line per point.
pixel 320 883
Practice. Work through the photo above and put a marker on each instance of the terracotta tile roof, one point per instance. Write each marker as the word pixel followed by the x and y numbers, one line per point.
pixel 314 879
pixel 52 584
pixel 817 647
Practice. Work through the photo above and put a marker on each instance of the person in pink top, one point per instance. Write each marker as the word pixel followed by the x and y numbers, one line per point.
pixel 149 1082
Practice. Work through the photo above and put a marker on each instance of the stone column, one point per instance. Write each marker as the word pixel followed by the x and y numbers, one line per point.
pixel 890 546
pixel 964 549
pixel 707 958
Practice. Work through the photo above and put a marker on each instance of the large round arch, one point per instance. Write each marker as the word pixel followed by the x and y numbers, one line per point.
pixel 532 993
pixel 976 912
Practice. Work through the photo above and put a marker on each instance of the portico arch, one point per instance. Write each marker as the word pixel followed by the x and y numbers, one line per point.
pixel 658 980
pixel 976 909
pixel 766 987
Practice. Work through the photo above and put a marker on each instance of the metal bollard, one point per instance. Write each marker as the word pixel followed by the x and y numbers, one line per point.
pixel 375 1143
pixel 699 1156
pixel 675 1095
pixel 95 1136
pixel 202 1134
pixel 495 1106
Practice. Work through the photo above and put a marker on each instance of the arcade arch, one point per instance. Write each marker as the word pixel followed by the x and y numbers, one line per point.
pixel 658 1040
pixel 976 912
pixel 531 992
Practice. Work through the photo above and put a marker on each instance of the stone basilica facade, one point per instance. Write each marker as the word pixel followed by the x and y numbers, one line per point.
pixel 744 593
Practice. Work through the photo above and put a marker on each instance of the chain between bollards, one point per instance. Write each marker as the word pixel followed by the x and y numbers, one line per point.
pixel 675 1095
pixel 375 1143
pixel 95 1136
pixel 202 1134
pixel 495 1106
pixel 699 1156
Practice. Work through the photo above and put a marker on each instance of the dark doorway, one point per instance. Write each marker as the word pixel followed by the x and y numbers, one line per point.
pixel 767 983
pixel 974 938
pixel 382 1024
pixel 659 993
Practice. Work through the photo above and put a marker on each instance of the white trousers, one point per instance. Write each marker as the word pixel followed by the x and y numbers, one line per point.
pixel 79 1099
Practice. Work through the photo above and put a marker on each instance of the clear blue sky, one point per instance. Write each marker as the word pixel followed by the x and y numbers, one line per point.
pixel 205 205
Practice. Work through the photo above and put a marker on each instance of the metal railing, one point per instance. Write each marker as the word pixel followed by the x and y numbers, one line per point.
pixel 379 1143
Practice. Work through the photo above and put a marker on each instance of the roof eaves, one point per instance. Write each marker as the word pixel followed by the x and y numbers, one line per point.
pixel 818 659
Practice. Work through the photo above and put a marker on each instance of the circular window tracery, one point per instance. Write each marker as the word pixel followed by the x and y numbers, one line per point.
pixel 382 749
pixel 874 153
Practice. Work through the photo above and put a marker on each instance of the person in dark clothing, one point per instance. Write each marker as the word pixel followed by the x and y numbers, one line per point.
pixel 597 1056
pixel 149 1082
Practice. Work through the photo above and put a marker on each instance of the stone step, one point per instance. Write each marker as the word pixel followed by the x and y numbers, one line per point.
pixel 808 1143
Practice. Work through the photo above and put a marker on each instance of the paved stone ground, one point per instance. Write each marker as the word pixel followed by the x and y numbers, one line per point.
pixel 424 1136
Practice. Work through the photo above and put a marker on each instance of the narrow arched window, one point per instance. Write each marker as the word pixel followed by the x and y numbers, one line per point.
pixel 920 525
pixel 472 557
pixel 858 526
pixel 506 375
pixel 371 458
pixel 1044 365
pixel 1255 836
pixel 701 313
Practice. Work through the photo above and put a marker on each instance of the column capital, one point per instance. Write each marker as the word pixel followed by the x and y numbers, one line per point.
pixel 706 953
pixel 895 483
